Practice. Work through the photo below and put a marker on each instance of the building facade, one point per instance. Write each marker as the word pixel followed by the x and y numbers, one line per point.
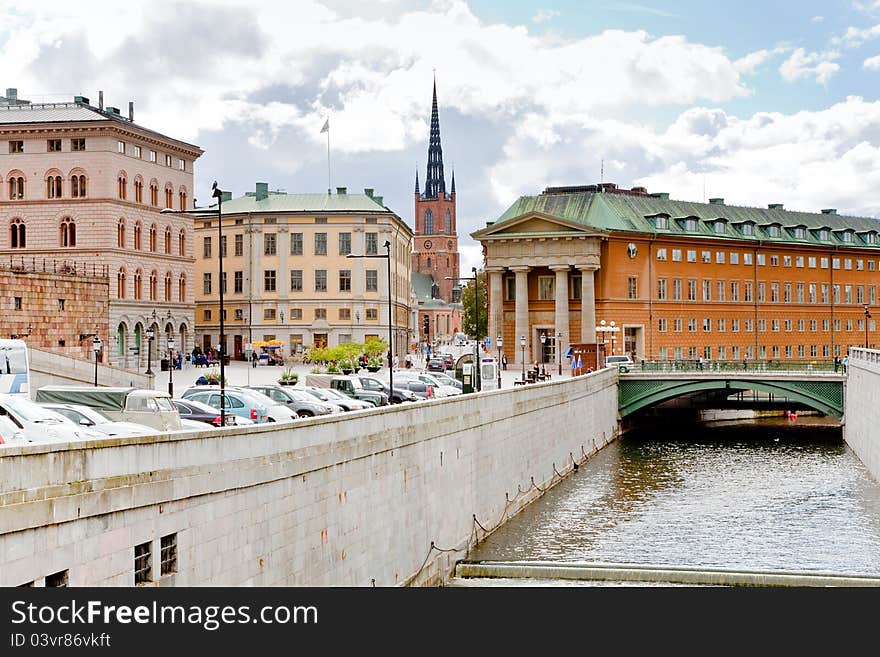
pixel 84 184
pixel 436 321
pixel 288 277
pixel 681 280
pixel 435 242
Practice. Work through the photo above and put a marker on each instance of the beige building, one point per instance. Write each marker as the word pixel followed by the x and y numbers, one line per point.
pixel 81 187
pixel 287 276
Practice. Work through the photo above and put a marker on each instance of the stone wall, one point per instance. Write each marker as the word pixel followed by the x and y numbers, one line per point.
pixel 351 500
pixel 48 368
pixel 862 411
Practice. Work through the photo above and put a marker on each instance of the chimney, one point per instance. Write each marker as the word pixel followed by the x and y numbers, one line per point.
pixel 368 191
pixel 716 201
pixel 101 100
pixel 131 111
pixel 81 99
pixel 225 196
pixel 262 191
pixel 663 196
pixel 12 94
pixel 829 211
pixel 378 200
pixel 775 206
pixel 112 110
pixel 341 191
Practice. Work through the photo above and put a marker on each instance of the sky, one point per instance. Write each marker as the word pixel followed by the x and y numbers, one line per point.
pixel 757 102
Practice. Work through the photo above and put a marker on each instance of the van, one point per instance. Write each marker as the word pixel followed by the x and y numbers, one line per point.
pixel 151 408
pixel 623 363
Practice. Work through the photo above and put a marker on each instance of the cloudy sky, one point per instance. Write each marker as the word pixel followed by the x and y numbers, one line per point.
pixel 762 101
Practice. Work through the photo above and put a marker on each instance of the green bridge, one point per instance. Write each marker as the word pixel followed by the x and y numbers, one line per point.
pixel 819 389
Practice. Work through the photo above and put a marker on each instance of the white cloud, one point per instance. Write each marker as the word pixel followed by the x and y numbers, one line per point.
pixel 872 63
pixel 750 62
pixel 856 36
pixel 817 19
pixel 543 15
pixel 818 65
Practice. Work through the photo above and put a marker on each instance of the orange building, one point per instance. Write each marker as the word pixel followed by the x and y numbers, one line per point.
pixel 681 280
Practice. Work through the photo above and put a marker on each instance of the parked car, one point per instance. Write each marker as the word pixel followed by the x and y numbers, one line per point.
pixel 190 409
pixel 448 361
pixel 330 395
pixel 420 389
pixel 237 403
pixel 624 363
pixel 442 390
pixel 22 421
pixel 152 408
pixel 350 386
pixel 94 419
pixel 400 394
pixel 447 380
pixel 436 365
pixel 299 401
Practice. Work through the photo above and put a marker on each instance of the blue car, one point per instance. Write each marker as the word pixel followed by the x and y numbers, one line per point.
pixel 238 402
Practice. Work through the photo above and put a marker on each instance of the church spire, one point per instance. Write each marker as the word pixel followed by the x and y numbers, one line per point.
pixel 435 184
pixel 453 181
pixel 417 181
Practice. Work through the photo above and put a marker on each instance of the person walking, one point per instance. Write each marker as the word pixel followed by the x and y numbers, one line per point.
pixel 844 363
pixel 504 362
pixel 700 363
pixel 836 364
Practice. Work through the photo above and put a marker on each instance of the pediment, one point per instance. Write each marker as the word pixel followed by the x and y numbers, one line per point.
pixel 536 223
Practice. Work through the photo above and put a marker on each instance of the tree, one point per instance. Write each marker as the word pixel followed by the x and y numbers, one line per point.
pixel 475 325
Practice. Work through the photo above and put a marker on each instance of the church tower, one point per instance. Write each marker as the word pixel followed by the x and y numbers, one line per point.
pixel 435 242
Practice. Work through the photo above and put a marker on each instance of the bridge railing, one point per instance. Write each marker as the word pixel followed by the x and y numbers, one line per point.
pixel 769 365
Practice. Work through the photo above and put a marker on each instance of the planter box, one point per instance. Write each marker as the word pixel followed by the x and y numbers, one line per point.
pixel 373 369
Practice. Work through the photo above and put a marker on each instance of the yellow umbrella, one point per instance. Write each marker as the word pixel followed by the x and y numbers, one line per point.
pixel 259 343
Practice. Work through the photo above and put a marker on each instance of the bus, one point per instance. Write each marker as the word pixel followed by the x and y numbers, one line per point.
pixel 15 371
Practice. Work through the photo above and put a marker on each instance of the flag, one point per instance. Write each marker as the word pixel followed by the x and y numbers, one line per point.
pixel 579 365
pixel 326 127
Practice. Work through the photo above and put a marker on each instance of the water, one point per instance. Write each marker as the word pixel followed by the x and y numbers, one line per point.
pixel 761 495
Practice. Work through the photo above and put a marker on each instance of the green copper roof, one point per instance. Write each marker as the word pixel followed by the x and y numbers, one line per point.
pixel 317 203
pixel 639 213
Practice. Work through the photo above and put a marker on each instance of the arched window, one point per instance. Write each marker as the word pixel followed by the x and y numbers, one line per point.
pixel 123 186
pixel 137 235
pixel 168 286
pixel 429 263
pixel 169 195
pixel 16 188
pixel 120 233
pixel 120 339
pixel 448 221
pixel 429 222
pixel 440 227
pixel 154 193
pixel 181 242
pixel 154 280
pixel 153 237
pixel 139 190
pixel 183 199
pixel 120 283
pixel 67 232
pixel 17 234
pixel 53 187
pixel 138 290
pixel 78 186
pixel 168 239
pixel 181 288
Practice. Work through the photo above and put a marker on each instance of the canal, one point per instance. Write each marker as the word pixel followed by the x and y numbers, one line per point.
pixel 771 494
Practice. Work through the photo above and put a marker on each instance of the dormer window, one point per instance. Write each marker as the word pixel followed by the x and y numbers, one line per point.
pixel 870 237
pixel 720 227
pixel 774 230
pixel 824 235
pixel 747 228
pixel 799 232
pixel 690 225
pixel 661 223
pixel 847 236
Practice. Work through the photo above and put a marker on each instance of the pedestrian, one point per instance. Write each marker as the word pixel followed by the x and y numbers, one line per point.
pixel 836 363
pixel 844 363
pixel 504 362
pixel 253 359
pixel 700 363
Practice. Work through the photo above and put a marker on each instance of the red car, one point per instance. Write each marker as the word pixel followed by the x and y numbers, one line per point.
pixel 436 365
pixel 448 360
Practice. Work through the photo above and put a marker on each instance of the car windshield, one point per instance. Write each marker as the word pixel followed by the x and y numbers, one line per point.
pixel 299 395
pixel 30 411
pixel 335 393
pixel 199 406
pixel 260 398
pixel 78 412
pixel 320 393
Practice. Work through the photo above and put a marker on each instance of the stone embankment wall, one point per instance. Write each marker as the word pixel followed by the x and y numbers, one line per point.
pixel 379 497
pixel 48 368
pixel 861 428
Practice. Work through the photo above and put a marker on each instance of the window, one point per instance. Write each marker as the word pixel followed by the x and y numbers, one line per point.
pixel 661 289
pixel 835 263
pixel 762 325
pixel 237 282
pixel 860 265
pixel 296 314
pixel 373 280
pixel 692 324
pixel 53 187
pixel 546 286
pixel 138 190
pixel 800 233
pixel 661 255
pixel 788 325
pixel 268 313
pixel 774 230
pixel 320 220
pixel 707 325
pixel 802 325
pixel 835 294
pixel 77 144
pixel 143 562
pixel 181 242
pixel 206 247
pixel 632 287
pixel 57 580
pixel 676 289
pixel 761 259
pixel 16 146
pixel 372 243
pixel 661 223
pixel 296 244
pixel 152 156
pixel 691 256
pixel 774 325
pixel 811 262
pixel 824 235
pixel 734 325
pixel 16 303
pixel 320 243
pixel 207 315
pixel 786 293
pixel 122 187
pixel 168 286
pixel 823 263
pixel 429 222
pixel 67 232
pixel 17 234
pixel 762 292
pixel 786 261
pixel 574 286
pixel 801 288
pixel 181 197
pixel 774 292
pixel 169 197
pixel 676 255
pixel 747 259
pixel 372 314
pixel 153 285
pixel 662 325
pixel 167 160
pixel 847 236
pixel 345 280
pixel 206 283
pixel 692 289
pixel 168 554
pixel 847 293
pixel 181 284
pixel 270 244
pixel 344 243
pixel 676 324
pixel 53 145
pixel 296 280
pixel 847 263
pixel 814 325
pixel 774 261
pixel 269 280
pixel 706 257
pixel 748 229
pixel 872 296
pixel 120 283
pixel 137 152
pixel 153 231
pixel 690 225
pixel 799 261
pixel 734 258
pixel 320 313
pixel 320 280
pixel 719 257
pixel 824 291
pixel 720 227
pixel 747 291
pixel 154 194
pixel 138 284
pixel 120 147
pixel 734 290
pixel 345 313
pixel 707 290
pixel 721 288
pixel 181 165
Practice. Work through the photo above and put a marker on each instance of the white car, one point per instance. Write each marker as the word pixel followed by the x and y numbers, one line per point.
pixel 92 418
pixel 23 421
pixel 625 363
pixel 442 389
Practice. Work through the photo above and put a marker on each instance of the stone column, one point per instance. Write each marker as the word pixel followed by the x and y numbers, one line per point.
pixel 588 305
pixel 496 301
pixel 561 318
pixel 522 312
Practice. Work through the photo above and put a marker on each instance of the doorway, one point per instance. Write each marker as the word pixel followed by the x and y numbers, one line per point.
pixel 320 340
pixel 632 337
pixel 237 351
pixel 546 351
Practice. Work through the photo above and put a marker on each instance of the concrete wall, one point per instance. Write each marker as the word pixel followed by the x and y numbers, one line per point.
pixel 352 500
pixel 48 368
pixel 862 419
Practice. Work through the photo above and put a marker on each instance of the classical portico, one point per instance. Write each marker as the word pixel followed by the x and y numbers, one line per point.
pixel 540 271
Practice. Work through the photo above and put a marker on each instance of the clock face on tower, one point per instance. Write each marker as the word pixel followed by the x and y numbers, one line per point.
pixel 449 245
pixel 428 244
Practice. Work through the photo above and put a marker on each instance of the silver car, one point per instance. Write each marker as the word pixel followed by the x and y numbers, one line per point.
pixel 92 418
pixel 23 421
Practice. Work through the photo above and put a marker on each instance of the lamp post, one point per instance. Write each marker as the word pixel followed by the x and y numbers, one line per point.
pixel 150 335
pixel 543 342
pixel 387 256
pixel 170 365
pixel 522 344
pixel 602 329
pixel 867 317
pixel 499 341
pixel 474 278
pixel 96 347
pixel 559 351
pixel 613 329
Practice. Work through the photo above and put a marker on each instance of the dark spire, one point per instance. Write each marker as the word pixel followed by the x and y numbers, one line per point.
pixel 417 181
pixel 453 181
pixel 435 183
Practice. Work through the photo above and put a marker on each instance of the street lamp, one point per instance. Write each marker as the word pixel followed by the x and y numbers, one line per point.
pixel 614 329
pixel 522 344
pixel 559 351
pixel 867 317
pixel 96 347
pixel 543 342
pixel 170 365
pixel 150 335
pixel 498 340
pixel 603 329
pixel 387 256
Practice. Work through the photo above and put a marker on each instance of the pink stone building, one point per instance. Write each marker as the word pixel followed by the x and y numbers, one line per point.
pixel 85 184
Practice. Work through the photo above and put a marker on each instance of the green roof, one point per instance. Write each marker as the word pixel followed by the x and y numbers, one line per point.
pixel 638 213
pixel 317 203
pixel 421 284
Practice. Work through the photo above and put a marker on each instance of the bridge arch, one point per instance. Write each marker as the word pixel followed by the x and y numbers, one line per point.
pixel 823 396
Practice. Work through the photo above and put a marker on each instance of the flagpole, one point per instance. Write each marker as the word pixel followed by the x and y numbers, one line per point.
pixel 328 157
